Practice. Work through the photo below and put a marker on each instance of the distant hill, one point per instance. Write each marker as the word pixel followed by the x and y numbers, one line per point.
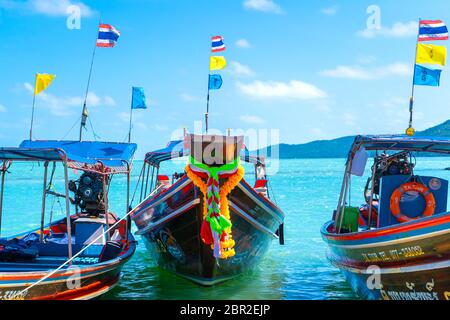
pixel 338 148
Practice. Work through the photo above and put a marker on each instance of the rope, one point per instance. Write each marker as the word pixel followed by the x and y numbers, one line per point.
pixel 70 130
pixel 71 259
pixel 273 193
pixel 93 132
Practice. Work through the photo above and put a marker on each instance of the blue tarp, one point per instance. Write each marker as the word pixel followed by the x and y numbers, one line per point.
pixel 419 144
pixel 111 154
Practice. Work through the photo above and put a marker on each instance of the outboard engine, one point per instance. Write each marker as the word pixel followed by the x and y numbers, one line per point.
pixel 387 165
pixel 88 192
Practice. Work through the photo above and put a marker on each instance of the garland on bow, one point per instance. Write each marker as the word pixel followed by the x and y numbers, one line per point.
pixel 216 225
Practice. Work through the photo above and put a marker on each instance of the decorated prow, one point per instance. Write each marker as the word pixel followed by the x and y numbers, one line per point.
pixel 214 167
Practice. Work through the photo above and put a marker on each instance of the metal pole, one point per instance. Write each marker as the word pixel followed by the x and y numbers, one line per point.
pixel 85 113
pixel 156 180
pixel 105 202
pixel 44 197
pixel 207 108
pixel 146 182
pixel 143 178
pixel 411 100
pixel 128 221
pixel 2 188
pixel 341 195
pixel 374 169
pixel 130 127
pixel 32 109
pixel 342 209
pixel 207 97
pixel 68 220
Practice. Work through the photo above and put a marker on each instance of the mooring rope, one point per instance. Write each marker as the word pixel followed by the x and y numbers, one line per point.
pixel 71 259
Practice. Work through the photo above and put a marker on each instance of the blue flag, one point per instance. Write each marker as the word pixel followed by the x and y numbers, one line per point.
pixel 215 82
pixel 138 100
pixel 426 77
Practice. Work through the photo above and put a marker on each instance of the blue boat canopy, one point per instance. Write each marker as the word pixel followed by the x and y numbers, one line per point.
pixel 403 143
pixel 175 149
pixel 110 154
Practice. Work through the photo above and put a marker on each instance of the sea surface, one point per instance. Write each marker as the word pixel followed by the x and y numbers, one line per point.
pixel 306 190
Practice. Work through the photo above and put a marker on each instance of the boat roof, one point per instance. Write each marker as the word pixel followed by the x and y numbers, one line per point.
pixel 175 149
pixel 403 143
pixel 79 154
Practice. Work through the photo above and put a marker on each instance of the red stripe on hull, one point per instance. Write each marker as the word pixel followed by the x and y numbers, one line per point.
pixel 391 230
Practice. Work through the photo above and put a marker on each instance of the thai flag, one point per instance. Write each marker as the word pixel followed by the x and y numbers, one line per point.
pixel 217 44
pixel 107 36
pixel 432 30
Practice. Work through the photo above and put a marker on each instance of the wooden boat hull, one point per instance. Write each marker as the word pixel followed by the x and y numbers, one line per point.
pixel 81 281
pixel 402 262
pixel 170 226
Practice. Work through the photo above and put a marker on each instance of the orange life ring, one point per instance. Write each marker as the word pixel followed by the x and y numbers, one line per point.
pixel 412 186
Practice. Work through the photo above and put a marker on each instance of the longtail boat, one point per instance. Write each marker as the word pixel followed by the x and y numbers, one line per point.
pixel 207 223
pixel 396 246
pixel 80 256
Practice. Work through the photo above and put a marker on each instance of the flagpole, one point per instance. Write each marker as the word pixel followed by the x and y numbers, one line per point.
pixel 32 109
pixel 207 106
pixel 207 96
pixel 131 117
pixel 85 112
pixel 411 100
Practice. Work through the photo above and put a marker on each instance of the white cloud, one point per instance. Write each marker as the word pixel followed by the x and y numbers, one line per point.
pixel 294 89
pixel 360 73
pixel 398 30
pixel 65 106
pixel 251 119
pixel 263 5
pixel 241 70
pixel 330 11
pixel 186 97
pixel 46 7
pixel 2 108
pixel 243 43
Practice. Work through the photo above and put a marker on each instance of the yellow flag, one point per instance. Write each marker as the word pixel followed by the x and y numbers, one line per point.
pixel 217 63
pixel 42 82
pixel 430 53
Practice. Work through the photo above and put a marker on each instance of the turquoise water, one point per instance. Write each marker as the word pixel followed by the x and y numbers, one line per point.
pixel 306 190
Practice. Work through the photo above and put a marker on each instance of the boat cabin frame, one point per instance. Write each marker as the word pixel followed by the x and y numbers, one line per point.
pixel 383 144
pixel 103 158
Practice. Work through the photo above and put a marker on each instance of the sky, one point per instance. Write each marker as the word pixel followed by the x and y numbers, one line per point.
pixel 310 69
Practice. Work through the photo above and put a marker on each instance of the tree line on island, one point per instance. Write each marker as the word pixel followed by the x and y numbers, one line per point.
pixel 339 148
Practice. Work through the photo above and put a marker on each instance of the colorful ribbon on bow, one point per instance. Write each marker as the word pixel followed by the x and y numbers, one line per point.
pixel 216 225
